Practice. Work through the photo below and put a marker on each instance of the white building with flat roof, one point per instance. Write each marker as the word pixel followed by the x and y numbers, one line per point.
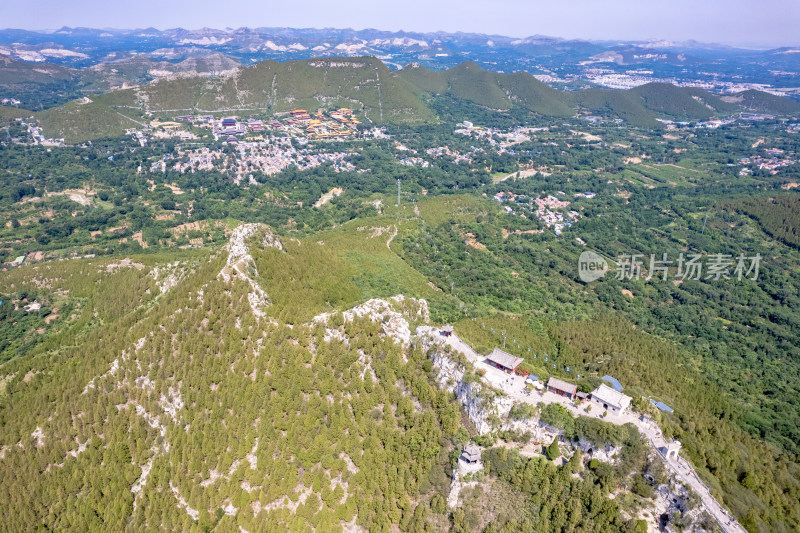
pixel 610 400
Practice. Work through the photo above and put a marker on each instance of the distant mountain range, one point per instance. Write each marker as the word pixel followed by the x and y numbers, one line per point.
pixel 42 85
pixel 82 47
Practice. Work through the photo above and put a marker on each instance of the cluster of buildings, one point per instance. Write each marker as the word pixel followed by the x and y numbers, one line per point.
pixel 268 157
pixel 496 136
pixel 774 160
pixel 546 213
pixel 445 151
pixel 715 123
pixel 708 124
pixel 508 196
pixel 627 80
pixel 10 101
pixel 331 125
pixel 137 134
pixel 414 162
pixel 336 124
pixel 549 209
pixel 633 78
pixel 470 130
pixel 36 135
pixel 609 398
pixel 755 117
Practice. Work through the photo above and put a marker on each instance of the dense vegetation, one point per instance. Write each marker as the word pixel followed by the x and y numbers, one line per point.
pixel 332 432
pixel 363 83
pixel 778 216
pixel 303 395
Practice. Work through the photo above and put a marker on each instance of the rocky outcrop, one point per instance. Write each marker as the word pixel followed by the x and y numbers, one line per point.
pixel 607 453
pixel 241 265
pixel 393 314
pixel 483 406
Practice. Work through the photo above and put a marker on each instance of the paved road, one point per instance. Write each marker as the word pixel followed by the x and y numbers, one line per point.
pixel 514 386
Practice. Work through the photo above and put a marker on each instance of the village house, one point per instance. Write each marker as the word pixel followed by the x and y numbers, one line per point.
pixel 610 399
pixel 562 388
pixel 503 361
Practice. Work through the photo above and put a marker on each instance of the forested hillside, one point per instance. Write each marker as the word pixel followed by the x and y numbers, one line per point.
pixel 778 216
pixel 369 86
pixel 193 411
pixel 199 332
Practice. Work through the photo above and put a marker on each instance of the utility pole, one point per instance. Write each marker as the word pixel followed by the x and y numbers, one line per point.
pixel 704 225
pixel 398 192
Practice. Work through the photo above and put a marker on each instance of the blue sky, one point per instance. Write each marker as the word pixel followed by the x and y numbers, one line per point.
pixel 740 22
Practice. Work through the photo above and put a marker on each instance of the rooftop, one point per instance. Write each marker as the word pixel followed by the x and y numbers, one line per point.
pixel 661 406
pixel 504 359
pixel 614 383
pixel 606 394
pixel 561 385
pixel 472 452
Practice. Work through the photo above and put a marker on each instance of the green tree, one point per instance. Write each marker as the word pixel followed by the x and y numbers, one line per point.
pixel 553 451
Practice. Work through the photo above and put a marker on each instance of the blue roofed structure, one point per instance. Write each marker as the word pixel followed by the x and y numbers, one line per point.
pixel 661 406
pixel 614 383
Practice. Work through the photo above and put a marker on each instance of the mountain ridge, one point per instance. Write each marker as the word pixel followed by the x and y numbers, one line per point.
pixel 385 96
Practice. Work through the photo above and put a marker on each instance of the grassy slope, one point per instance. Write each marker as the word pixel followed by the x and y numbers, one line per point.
pixel 7 113
pixel 527 91
pixel 361 83
pixel 680 102
pixel 22 74
pixel 637 106
pixel 470 82
pixel 422 79
pixel 610 103
pixel 760 101
pixel 77 121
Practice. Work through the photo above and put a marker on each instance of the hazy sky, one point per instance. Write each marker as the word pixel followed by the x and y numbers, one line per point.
pixel 741 22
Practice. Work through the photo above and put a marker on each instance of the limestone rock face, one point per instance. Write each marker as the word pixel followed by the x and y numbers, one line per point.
pixel 473 396
pixel 241 265
pixel 607 453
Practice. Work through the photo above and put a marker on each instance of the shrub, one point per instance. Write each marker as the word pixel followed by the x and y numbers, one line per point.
pixel 438 504
pixel 522 411
pixel 641 487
